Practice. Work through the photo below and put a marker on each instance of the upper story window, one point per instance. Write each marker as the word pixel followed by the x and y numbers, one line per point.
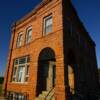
pixel 19 39
pixel 21 69
pixel 29 35
pixel 48 25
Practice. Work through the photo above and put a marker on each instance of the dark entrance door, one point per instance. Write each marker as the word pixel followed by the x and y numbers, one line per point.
pixel 46 71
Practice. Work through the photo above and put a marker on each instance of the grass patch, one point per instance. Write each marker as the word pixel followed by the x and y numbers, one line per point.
pixel 1 80
pixel 1 84
pixel 0 88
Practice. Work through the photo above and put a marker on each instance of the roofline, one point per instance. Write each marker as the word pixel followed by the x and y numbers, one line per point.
pixel 34 11
pixel 30 14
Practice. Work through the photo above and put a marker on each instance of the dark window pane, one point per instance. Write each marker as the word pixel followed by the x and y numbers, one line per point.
pixel 14 71
pixel 22 60
pixel 28 59
pixel 26 79
pixel 27 70
pixel 16 62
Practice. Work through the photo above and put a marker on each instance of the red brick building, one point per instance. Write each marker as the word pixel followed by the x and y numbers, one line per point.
pixel 52 56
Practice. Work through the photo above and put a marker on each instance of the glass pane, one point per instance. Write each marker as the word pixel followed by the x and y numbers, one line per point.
pixel 16 62
pixel 48 24
pixel 20 73
pixel 28 59
pixel 27 73
pixel 14 71
pixel 30 32
pixel 49 29
pixel 22 60
pixel 19 42
pixel 13 79
pixel 20 97
pixel 49 21
pixel 20 77
pixel 29 36
pixel 26 79
pixel 16 96
pixel 27 70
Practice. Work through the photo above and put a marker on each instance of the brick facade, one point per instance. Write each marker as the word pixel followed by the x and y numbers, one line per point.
pixel 60 41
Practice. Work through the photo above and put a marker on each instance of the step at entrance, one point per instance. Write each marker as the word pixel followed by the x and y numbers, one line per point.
pixel 46 95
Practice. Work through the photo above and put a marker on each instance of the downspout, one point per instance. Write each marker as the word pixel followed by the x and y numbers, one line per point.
pixel 9 59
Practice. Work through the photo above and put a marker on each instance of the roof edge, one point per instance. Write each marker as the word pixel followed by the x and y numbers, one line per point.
pixel 31 13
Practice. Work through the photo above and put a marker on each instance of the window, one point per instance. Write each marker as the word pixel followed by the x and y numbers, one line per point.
pixel 27 73
pixel 16 96
pixel 19 40
pixel 48 25
pixel 29 35
pixel 21 69
pixel 14 73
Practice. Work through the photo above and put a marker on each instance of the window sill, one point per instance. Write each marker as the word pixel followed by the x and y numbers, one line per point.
pixel 46 34
pixel 19 83
pixel 25 45
pixel 18 47
pixel 28 43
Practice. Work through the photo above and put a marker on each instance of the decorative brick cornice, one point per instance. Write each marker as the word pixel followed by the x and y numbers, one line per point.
pixel 33 12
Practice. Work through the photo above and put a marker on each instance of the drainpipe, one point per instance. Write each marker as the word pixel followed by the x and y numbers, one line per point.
pixel 9 59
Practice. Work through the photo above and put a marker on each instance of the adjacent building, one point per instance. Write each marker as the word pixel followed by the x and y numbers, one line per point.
pixel 52 56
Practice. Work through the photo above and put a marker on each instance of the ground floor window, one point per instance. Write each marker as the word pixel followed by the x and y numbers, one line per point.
pixel 16 96
pixel 20 71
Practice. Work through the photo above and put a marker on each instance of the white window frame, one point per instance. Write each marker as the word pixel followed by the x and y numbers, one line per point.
pixel 28 35
pixel 19 39
pixel 23 71
pixel 46 19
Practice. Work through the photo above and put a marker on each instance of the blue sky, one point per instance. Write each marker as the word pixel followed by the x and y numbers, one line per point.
pixel 12 10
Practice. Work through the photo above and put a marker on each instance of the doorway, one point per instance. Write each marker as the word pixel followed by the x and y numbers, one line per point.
pixel 46 71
